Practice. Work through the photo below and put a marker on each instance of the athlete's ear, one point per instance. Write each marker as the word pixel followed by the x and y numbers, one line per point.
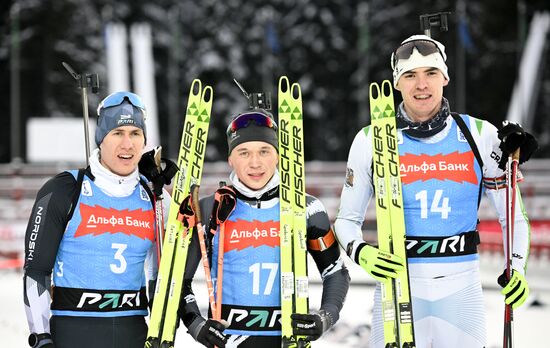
pixel 397 88
pixel 229 161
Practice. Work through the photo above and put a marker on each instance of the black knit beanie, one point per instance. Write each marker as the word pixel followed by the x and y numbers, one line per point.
pixel 252 132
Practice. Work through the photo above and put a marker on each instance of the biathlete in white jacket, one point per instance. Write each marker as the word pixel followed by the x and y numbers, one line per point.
pixel 447 160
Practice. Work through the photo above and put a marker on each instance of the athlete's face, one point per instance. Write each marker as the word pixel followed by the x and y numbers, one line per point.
pixel 254 163
pixel 121 149
pixel 422 91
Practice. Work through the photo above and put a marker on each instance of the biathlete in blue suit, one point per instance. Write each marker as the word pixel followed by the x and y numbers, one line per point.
pixel 94 230
pixel 251 255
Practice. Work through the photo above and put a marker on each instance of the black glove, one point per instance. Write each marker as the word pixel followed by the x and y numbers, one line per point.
pixel 209 332
pixel 43 340
pixel 312 325
pixel 514 137
pixel 225 200
pixel 158 176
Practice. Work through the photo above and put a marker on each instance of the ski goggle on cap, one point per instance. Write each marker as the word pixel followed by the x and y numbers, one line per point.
pixel 252 126
pixel 117 98
pixel 416 52
pixel 119 109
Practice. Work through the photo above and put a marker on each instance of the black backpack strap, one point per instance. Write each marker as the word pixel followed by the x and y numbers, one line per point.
pixel 76 195
pixel 466 131
pixel 468 135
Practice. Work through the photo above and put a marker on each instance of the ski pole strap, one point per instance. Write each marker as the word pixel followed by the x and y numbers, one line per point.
pixel 186 214
pixel 462 244
pixel 225 201
pixel 322 243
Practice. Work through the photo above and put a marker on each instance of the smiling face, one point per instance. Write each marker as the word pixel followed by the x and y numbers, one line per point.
pixel 254 163
pixel 422 91
pixel 121 149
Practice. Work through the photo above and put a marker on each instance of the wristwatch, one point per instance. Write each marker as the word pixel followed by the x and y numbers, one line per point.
pixel 39 340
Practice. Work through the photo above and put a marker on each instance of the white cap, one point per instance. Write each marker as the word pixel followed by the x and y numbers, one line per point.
pixel 417 60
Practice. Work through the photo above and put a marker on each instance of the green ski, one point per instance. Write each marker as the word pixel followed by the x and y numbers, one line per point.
pixel 294 279
pixel 395 294
pixel 163 321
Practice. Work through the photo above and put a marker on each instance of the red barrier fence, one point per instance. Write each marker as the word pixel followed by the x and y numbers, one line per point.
pixel 491 237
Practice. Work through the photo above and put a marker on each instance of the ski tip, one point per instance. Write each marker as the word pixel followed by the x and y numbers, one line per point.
pixel 374 91
pixel 383 90
pixel 283 84
pixel 296 91
pixel 196 87
pixel 387 87
pixel 207 94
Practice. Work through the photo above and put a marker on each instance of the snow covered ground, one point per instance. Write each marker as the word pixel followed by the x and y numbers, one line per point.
pixel 530 322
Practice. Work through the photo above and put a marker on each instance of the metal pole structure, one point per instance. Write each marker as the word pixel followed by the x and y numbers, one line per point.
pixel 363 50
pixel 86 124
pixel 460 60
pixel 268 55
pixel 15 86
pixel 175 56
pixel 439 19
pixel 85 81
pixel 519 52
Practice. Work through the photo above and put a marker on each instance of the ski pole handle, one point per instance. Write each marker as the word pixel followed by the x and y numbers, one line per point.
pixel 159 208
pixel 515 155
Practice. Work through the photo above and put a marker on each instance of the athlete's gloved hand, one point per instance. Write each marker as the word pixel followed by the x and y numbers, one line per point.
pixel 312 325
pixel 209 332
pixel 513 137
pixel 43 340
pixel 161 173
pixel 516 289
pixel 225 201
pixel 379 264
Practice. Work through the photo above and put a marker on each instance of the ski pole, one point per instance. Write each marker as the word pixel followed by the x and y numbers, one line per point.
pixel 85 81
pixel 159 207
pixel 511 179
pixel 219 280
pixel 202 242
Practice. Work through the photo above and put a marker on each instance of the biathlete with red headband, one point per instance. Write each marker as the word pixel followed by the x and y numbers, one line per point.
pixel 246 213
pixel 447 160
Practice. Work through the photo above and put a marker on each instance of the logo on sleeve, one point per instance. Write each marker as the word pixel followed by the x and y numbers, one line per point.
pixel 349 177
